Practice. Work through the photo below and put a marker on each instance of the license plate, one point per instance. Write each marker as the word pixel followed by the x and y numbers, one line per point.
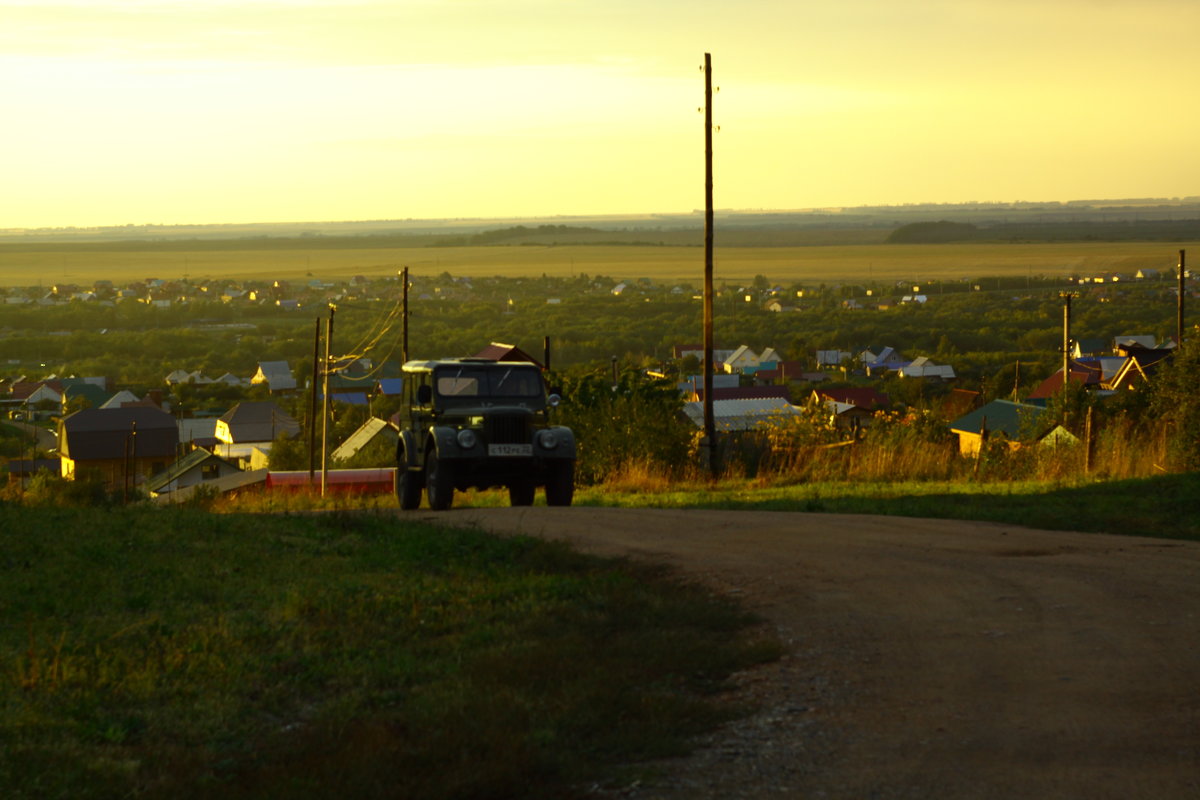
pixel 510 449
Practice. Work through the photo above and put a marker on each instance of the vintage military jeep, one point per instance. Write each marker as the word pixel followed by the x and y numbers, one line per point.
pixel 470 422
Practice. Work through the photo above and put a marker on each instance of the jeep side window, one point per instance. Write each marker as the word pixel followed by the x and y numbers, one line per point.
pixel 424 394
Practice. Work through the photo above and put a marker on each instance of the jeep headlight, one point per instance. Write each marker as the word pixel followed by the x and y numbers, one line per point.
pixel 467 438
pixel 547 440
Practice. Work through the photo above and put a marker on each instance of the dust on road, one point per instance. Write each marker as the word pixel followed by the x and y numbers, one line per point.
pixel 929 658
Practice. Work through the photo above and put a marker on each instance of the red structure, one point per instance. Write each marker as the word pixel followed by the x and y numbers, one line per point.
pixel 339 481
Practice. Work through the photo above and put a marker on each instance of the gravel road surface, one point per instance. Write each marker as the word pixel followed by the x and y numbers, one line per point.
pixel 928 658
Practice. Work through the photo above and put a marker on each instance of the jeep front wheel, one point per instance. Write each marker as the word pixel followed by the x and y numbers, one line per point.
pixel 560 483
pixel 408 483
pixel 521 493
pixel 439 482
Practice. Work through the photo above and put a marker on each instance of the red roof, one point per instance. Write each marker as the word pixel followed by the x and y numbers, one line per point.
pixel 22 389
pixel 679 349
pixel 1080 373
pixel 497 351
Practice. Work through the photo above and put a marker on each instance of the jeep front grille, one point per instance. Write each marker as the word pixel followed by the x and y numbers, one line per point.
pixel 507 429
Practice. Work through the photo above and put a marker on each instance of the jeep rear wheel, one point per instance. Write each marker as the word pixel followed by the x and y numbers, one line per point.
pixel 560 483
pixel 439 482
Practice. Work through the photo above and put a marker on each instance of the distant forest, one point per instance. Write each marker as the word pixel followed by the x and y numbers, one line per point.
pixel 946 232
pixel 1090 220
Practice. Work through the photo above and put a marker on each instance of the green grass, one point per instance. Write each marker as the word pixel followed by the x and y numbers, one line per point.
pixel 1166 506
pixel 175 653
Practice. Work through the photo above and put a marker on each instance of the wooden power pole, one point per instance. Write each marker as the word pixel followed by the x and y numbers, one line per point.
pixel 710 428
pixel 312 404
pixel 325 404
pixel 1182 284
pixel 1066 346
pixel 404 315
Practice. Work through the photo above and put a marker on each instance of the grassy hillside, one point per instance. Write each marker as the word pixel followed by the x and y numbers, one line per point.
pixel 176 654
pixel 1167 506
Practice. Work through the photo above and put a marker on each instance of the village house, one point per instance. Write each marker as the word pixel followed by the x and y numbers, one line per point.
pixel 886 360
pixel 782 372
pixel 832 359
pixel 1089 348
pixel 277 375
pixel 864 397
pixel 720 354
pixel 1001 419
pixel 1138 369
pixel 198 466
pixel 923 367
pixel 247 431
pixel 743 415
pixel 744 360
pixel 117 446
pixel 1081 373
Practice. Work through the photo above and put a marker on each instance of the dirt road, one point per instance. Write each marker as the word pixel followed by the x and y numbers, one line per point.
pixel 930 658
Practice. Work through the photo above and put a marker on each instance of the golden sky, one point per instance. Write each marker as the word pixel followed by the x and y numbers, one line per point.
pixel 204 111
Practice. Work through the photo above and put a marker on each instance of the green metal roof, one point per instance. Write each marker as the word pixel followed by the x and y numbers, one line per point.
pixel 1002 416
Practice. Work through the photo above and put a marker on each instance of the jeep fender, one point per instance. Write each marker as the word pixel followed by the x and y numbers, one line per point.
pixel 411 449
pixel 444 442
pixel 566 443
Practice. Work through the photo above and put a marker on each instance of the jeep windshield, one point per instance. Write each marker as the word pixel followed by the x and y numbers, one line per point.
pixel 472 381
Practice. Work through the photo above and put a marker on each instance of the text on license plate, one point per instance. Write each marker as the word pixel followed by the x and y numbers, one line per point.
pixel 510 449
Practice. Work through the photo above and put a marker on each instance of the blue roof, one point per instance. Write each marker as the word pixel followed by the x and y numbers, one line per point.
pixel 391 386
pixel 350 398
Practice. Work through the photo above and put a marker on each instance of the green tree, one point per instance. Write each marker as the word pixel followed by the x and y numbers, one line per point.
pixel 1175 403
pixel 289 454
pixel 637 421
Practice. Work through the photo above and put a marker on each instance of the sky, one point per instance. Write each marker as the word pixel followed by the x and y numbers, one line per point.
pixel 212 111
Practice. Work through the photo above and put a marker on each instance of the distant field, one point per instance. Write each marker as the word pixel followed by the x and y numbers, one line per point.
pixel 813 265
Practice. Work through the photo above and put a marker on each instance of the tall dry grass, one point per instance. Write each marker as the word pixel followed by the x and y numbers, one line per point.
pixel 898 448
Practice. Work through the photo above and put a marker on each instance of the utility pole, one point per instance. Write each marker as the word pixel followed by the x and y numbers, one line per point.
pixel 710 428
pixel 1066 347
pixel 1182 283
pixel 325 404
pixel 404 316
pixel 312 404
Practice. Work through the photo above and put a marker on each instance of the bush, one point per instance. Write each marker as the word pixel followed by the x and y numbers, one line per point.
pixel 639 421
pixel 47 490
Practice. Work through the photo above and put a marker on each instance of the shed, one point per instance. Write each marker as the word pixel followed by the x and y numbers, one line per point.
pixel 366 433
